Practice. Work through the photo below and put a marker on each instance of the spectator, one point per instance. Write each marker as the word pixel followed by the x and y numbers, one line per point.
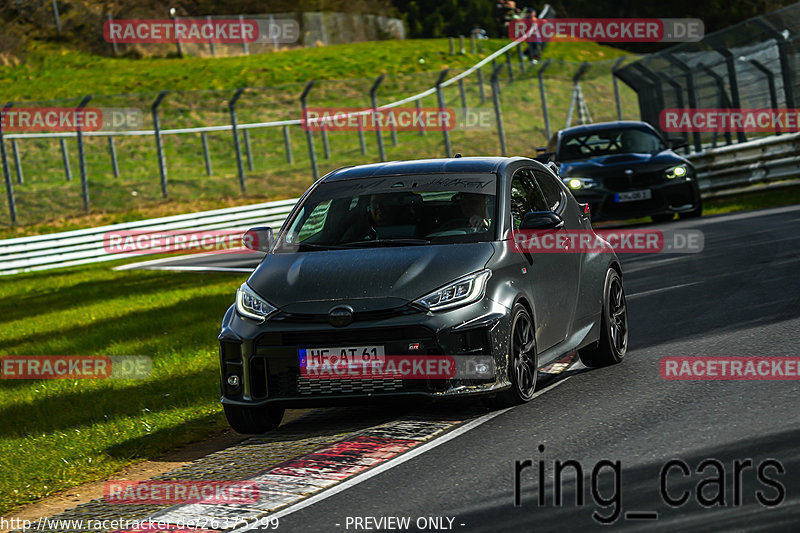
pixel 534 46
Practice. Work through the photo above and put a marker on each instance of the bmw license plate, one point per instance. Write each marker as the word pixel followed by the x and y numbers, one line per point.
pixel 633 196
pixel 341 355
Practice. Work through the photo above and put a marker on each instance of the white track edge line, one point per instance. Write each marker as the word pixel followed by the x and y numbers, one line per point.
pixel 419 450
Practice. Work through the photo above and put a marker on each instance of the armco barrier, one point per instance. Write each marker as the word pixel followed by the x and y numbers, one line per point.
pixel 761 161
pixel 84 246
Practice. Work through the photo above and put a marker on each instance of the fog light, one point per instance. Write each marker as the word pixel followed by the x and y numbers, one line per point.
pixel 233 380
pixel 482 368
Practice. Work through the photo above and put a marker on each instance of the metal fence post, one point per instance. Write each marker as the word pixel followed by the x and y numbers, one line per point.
pixel 287 142
pixel 309 134
pixel 17 162
pixel 480 86
pixel 361 142
pixel 82 158
pixel 440 101
pixel 373 101
pixel 521 59
pixel 65 158
pixel 247 149
pixel 785 56
pixel 206 155
pixel 773 93
pixel 690 92
pixel 211 44
pixel 452 46
pixel 113 41
pixel 326 148
pixel 462 50
pixel 418 105
pixel 497 113
pixel 245 47
pixel 112 150
pixel 472 43
pixel 235 129
pixel 724 102
pixel 616 86
pixel 510 68
pixel 463 95
pixel 162 162
pixel 56 16
pixel 12 204
pixel 543 96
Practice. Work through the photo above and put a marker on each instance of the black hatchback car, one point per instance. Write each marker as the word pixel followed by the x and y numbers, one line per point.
pixel 626 170
pixel 416 261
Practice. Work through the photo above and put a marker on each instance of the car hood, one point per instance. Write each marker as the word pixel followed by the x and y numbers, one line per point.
pixel 614 164
pixel 366 279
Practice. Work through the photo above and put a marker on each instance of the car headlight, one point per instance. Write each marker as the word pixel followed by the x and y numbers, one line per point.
pixel 676 172
pixel 462 291
pixel 251 305
pixel 580 183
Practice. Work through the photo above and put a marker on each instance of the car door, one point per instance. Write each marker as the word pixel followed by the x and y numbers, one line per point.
pixel 552 273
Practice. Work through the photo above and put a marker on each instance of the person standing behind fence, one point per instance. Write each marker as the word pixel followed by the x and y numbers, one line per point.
pixel 534 46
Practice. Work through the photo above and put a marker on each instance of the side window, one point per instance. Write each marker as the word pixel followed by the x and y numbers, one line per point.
pixel 551 190
pixel 525 196
pixel 313 224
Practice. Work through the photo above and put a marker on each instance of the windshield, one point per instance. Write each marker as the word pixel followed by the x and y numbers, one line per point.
pixel 395 211
pixel 612 141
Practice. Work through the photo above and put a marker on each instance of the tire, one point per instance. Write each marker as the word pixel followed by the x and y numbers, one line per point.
pixel 613 344
pixel 666 217
pixel 522 367
pixel 694 213
pixel 253 420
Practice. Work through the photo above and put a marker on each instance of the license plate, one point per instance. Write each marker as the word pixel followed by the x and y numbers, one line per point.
pixel 342 355
pixel 633 196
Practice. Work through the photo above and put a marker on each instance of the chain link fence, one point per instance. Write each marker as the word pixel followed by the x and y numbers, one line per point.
pixel 205 145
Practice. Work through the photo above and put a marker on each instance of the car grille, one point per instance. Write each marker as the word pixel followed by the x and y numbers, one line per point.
pixel 307 387
pixel 634 182
pixel 342 337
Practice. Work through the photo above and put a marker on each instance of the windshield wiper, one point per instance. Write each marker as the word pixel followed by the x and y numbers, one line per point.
pixel 387 242
pixel 315 246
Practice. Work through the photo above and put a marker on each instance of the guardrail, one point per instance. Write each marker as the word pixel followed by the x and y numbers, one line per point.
pixel 761 161
pixel 85 246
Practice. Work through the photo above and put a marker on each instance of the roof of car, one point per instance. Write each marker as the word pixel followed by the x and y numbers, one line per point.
pixel 587 128
pixel 424 166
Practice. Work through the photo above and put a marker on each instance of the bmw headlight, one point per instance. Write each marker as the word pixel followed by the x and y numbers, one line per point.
pixel 580 183
pixel 676 172
pixel 251 305
pixel 463 291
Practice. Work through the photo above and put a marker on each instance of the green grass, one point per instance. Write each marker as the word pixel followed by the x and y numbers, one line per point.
pixel 60 433
pixel 753 200
pixel 47 202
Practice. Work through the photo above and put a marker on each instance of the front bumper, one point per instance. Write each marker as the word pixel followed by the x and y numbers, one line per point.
pixel 674 196
pixel 265 355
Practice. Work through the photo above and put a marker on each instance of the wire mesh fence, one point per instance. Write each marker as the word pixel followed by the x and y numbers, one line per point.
pixel 204 145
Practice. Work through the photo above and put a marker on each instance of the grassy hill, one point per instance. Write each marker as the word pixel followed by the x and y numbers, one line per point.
pixel 199 91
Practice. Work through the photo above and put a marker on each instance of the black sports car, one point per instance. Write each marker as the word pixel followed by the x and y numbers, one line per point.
pixel 416 261
pixel 626 170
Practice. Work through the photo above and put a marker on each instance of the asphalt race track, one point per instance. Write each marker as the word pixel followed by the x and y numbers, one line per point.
pixel 739 297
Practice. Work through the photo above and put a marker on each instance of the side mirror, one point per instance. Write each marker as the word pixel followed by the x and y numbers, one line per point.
pixel 545 157
pixel 677 142
pixel 541 220
pixel 258 239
